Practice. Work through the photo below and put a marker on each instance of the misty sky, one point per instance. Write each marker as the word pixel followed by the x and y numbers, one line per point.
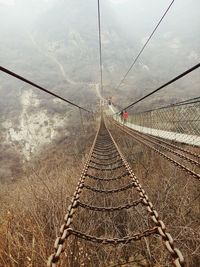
pixel 134 15
pixel 134 21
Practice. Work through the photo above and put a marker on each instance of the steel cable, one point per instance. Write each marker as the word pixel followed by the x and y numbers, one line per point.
pixel 40 87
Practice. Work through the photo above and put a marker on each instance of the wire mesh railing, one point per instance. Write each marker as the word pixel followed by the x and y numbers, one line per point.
pixel 180 122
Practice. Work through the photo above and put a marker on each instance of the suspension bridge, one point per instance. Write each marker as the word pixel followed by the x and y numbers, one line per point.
pixel 107 175
pixel 106 157
pixel 176 123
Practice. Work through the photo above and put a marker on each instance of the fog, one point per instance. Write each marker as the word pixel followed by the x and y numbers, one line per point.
pixel 51 40
pixel 55 43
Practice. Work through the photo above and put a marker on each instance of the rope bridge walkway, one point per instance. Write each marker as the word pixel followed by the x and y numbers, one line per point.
pixel 179 123
pixel 182 158
pixel 106 166
pixel 105 158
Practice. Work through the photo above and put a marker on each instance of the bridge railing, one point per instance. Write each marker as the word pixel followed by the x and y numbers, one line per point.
pixel 176 122
pixel 181 119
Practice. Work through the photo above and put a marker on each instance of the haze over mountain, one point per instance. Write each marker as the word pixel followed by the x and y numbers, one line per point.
pixel 55 44
pixel 38 34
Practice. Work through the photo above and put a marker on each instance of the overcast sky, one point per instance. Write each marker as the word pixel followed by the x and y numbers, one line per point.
pixel 134 18
pixel 174 46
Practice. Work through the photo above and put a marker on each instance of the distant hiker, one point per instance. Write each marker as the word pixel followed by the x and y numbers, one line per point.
pixel 125 116
pixel 122 115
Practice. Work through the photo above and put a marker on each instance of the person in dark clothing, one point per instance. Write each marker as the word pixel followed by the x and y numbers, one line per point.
pixel 122 115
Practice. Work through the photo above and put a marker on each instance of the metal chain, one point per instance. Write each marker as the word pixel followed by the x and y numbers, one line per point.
pixel 108 179
pixel 110 190
pixel 103 143
pixel 106 164
pixel 179 165
pixel 166 237
pixel 106 169
pixel 110 209
pixel 166 148
pixel 177 147
pixel 105 158
pixel 64 230
pixel 104 149
pixel 103 146
pixel 104 152
pixel 110 154
pixel 114 241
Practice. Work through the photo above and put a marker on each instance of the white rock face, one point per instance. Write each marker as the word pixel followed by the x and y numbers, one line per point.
pixel 35 128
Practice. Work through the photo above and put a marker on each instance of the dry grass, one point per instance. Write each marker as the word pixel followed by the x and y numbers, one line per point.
pixel 33 208
pixel 32 216
pixel 175 196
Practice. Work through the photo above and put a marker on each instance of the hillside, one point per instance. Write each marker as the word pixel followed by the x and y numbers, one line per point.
pixel 55 44
pixel 81 189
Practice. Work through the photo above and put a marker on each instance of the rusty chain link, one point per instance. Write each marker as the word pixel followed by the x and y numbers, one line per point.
pixel 110 150
pixel 114 241
pixel 106 158
pixel 179 165
pixel 108 191
pixel 110 209
pixel 110 154
pixel 66 229
pixel 148 138
pixel 106 164
pixel 103 146
pixel 108 179
pixel 177 256
pixel 177 147
pixel 105 169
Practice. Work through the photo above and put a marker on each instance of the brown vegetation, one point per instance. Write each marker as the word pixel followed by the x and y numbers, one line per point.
pixel 174 193
pixel 33 208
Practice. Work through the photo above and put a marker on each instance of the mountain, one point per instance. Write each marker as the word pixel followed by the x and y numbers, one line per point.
pixel 55 44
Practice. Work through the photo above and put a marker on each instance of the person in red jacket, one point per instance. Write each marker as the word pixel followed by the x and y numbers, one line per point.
pixel 125 116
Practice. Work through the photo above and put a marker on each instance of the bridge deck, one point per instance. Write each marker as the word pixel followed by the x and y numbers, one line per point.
pixel 178 137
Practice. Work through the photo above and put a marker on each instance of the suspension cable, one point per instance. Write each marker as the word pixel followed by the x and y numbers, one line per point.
pixel 190 101
pixel 100 47
pixel 164 85
pixel 41 88
pixel 142 49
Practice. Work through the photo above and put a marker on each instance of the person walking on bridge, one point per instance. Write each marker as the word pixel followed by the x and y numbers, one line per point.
pixel 125 116
pixel 122 115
